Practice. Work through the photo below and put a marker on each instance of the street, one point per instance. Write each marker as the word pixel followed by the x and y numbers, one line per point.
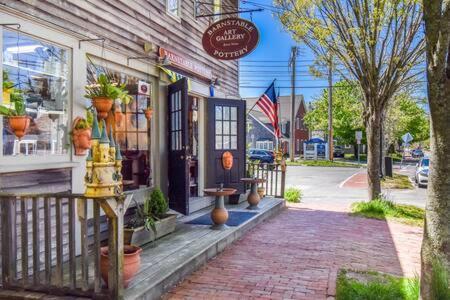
pixel 327 185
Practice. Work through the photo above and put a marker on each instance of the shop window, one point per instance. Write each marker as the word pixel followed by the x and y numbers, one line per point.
pixel 226 127
pixel 40 73
pixel 174 7
pixel 131 127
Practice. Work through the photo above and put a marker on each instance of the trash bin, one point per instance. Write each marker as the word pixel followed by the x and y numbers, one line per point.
pixel 388 166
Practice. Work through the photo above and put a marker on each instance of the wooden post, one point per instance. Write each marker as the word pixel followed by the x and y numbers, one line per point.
pixel 8 241
pixel 283 177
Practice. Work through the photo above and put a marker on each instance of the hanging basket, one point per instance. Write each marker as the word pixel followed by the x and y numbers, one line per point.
pixel 81 138
pixel 148 113
pixel 103 105
pixel 19 125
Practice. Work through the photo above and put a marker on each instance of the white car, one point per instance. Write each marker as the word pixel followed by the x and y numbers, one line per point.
pixel 422 170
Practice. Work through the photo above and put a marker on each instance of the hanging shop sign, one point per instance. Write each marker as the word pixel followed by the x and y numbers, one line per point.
pixel 184 64
pixel 230 39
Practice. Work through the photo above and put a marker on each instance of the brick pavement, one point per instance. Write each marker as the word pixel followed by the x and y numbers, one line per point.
pixel 296 255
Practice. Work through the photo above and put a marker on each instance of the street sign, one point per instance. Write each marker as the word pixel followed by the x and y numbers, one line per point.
pixel 358 135
pixel 407 138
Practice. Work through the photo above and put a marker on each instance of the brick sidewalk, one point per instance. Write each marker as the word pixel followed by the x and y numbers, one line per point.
pixel 297 254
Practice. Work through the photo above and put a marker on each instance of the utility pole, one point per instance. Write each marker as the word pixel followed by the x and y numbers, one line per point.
pixel 292 65
pixel 330 110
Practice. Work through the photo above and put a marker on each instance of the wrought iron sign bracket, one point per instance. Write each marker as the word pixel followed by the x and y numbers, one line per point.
pixel 199 3
pixel 90 40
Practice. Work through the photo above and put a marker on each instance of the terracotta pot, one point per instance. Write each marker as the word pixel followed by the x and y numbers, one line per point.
pixel 227 160
pixel 103 105
pixel 81 140
pixel 148 113
pixel 131 263
pixel 19 124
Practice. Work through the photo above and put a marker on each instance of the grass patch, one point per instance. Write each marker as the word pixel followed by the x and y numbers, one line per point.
pixel 321 163
pixel 439 281
pixel 397 182
pixel 293 195
pixel 375 286
pixel 384 209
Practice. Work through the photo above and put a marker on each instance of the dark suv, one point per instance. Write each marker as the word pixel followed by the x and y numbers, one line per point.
pixel 264 156
pixel 338 151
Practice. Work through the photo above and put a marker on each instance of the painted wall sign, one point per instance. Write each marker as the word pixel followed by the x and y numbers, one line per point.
pixel 230 38
pixel 185 64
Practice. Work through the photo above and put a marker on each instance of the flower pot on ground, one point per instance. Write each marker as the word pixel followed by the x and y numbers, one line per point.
pixel 148 113
pixel 81 136
pixel 131 263
pixel 16 114
pixel 150 221
pixel 103 92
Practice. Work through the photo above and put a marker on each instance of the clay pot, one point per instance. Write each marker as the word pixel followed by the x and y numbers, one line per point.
pixel 131 263
pixel 227 160
pixel 253 199
pixel 148 113
pixel 103 105
pixel 81 140
pixel 261 192
pixel 219 216
pixel 19 124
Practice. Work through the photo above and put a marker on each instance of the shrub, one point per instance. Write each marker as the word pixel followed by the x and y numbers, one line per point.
pixel 293 195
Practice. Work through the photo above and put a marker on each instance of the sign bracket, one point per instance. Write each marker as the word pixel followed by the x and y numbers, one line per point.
pixel 230 13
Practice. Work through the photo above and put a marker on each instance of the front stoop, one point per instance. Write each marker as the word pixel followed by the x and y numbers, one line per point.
pixel 189 252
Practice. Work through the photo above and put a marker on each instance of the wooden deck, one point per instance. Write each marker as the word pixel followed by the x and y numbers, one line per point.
pixel 170 259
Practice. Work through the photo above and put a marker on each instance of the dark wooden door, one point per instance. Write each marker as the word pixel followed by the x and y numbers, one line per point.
pixel 178 147
pixel 226 131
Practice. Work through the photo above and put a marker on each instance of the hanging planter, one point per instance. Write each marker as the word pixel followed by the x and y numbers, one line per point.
pixel 81 136
pixel 17 118
pixel 148 113
pixel 103 93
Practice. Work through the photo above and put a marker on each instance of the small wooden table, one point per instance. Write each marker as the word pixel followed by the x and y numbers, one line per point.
pixel 219 214
pixel 253 197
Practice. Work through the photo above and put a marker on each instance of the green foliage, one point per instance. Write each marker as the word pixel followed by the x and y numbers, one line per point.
pixel 153 209
pixel 397 181
pixel 293 195
pixel 440 289
pixel 383 209
pixel 104 87
pixel 376 286
pixel 347 112
pixel 7 84
pixel 321 163
pixel 18 102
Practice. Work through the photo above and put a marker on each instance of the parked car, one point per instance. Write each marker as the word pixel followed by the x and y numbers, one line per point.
pixel 338 151
pixel 264 156
pixel 422 170
pixel 417 153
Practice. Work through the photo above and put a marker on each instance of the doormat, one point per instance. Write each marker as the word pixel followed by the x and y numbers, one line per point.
pixel 235 218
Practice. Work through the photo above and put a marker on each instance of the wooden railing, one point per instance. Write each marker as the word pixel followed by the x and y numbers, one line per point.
pixel 39 250
pixel 274 174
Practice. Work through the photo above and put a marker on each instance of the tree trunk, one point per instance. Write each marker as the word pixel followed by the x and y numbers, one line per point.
pixel 436 238
pixel 373 126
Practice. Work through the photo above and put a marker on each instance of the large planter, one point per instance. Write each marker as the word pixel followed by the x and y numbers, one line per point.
pixel 19 124
pixel 141 236
pixel 131 263
pixel 103 105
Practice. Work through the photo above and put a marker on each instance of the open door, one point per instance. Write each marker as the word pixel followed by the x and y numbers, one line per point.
pixel 178 147
pixel 226 132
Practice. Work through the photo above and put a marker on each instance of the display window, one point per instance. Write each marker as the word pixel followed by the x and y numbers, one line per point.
pixel 130 124
pixel 37 73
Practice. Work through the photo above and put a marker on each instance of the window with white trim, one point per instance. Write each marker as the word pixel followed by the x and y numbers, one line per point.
pixel 174 7
pixel 264 145
pixel 39 73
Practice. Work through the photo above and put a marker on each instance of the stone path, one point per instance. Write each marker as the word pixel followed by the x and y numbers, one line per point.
pixel 297 254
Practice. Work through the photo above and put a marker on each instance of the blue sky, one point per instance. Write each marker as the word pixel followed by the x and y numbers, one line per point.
pixel 270 59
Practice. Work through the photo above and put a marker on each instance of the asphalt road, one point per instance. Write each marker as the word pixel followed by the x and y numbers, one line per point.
pixel 324 184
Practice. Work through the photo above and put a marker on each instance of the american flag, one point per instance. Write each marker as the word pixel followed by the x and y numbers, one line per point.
pixel 268 103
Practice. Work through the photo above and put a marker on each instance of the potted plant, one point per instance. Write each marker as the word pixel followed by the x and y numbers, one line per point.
pixel 131 263
pixel 261 191
pixel 17 117
pixel 81 134
pixel 104 92
pixel 148 112
pixel 151 220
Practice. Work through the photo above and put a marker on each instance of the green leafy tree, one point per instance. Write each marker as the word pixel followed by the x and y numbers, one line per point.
pixel 376 43
pixel 436 238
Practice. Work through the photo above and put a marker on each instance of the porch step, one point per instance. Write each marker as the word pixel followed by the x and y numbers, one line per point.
pixel 169 260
